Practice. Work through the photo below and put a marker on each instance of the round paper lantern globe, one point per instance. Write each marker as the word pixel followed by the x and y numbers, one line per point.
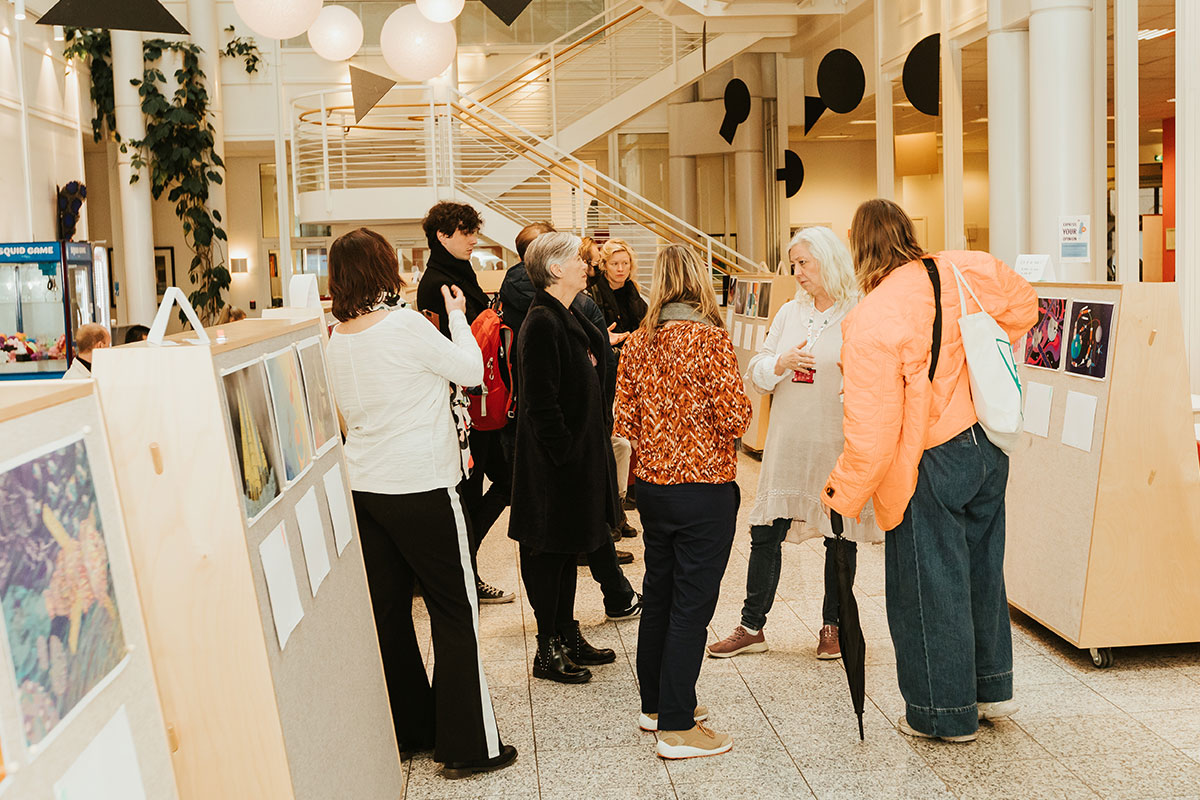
pixel 278 19
pixel 415 47
pixel 441 10
pixel 337 34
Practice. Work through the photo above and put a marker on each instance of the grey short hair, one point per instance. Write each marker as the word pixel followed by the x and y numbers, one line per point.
pixel 546 251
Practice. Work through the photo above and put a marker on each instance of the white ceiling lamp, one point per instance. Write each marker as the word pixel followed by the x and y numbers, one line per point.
pixel 441 10
pixel 20 10
pixel 337 34
pixel 278 19
pixel 415 47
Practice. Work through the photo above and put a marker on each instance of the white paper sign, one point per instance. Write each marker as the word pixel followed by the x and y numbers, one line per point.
pixel 761 337
pixel 748 336
pixel 339 511
pixel 312 538
pixel 303 292
pixel 1037 408
pixel 737 333
pixel 1079 421
pixel 281 584
pixel 107 769
pixel 1074 237
pixel 729 318
pixel 1034 268
pixel 159 327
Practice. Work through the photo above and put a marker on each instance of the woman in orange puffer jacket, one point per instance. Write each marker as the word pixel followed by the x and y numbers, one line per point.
pixel 915 446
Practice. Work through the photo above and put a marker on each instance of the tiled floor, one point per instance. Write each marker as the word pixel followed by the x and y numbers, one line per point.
pixel 1129 732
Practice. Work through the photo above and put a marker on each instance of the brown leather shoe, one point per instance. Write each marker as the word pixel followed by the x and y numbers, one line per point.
pixel 737 643
pixel 828 647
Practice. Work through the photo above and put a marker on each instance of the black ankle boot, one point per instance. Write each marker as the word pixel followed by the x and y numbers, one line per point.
pixel 553 663
pixel 581 652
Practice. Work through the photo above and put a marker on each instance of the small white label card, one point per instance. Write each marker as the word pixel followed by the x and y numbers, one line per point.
pixel 312 538
pixel 737 333
pixel 1079 421
pixel 1034 268
pixel 729 318
pixel 339 510
pixel 281 584
pixel 748 337
pixel 1037 408
pixel 761 337
pixel 107 769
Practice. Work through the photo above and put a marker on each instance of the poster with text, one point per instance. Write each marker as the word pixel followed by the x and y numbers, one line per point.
pixel 254 441
pixel 1074 243
pixel 316 388
pixel 1090 338
pixel 291 416
pixel 60 612
pixel 1044 343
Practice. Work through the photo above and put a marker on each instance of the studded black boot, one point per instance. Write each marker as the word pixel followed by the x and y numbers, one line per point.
pixel 552 662
pixel 581 652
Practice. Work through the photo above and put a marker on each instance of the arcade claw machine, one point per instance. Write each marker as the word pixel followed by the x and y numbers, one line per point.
pixel 47 290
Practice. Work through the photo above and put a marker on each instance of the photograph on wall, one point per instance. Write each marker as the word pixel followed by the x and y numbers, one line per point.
pixel 60 613
pixel 752 300
pixel 1044 343
pixel 316 388
pixel 254 438
pixel 739 297
pixel 764 300
pixel 1088 342
pixel 291 416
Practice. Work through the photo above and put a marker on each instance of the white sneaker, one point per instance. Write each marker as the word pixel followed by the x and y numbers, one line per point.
pixel 649 722
pixel 908 730
pixel 998 710
pixel 695 743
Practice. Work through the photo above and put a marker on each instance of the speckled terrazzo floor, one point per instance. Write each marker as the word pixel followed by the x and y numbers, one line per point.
pixel 1129 732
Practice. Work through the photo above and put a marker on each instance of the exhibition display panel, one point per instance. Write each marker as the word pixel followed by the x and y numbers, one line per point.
pixel 751 302
pixel 240 519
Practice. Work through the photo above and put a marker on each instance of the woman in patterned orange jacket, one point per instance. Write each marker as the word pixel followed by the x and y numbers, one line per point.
pixel 680 399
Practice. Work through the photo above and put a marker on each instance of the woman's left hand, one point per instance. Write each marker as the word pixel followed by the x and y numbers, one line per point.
pixel 615 338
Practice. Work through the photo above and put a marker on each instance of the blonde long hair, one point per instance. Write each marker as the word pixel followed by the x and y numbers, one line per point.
pixel 882 238
pixel 681 277
pixel 611 248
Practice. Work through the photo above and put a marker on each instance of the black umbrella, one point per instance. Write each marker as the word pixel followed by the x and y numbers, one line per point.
pixel 850 635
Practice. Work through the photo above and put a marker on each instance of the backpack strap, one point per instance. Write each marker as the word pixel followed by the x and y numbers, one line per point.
pixel 936 280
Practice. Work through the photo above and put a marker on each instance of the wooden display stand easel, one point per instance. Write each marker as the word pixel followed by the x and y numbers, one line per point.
pixel 783 289
pixel 37 418
pixel 1103 545
pixel 251 720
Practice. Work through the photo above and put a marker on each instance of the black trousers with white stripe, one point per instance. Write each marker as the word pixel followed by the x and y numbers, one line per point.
pixel 425 537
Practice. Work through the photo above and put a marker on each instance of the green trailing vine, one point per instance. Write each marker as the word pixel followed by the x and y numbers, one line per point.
pixel 243 48
pixel 177 151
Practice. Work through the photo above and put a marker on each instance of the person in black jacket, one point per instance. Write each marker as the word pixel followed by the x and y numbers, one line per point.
pixel 452 231
pixel 564 480
pixel 615 289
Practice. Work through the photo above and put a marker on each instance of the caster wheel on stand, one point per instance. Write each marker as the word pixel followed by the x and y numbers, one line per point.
pixel 1102 657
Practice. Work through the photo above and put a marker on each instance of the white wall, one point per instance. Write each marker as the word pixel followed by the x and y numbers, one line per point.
pixel 838 176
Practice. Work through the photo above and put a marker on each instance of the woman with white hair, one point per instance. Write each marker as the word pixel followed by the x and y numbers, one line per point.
pixel 564 498
pixel 798 363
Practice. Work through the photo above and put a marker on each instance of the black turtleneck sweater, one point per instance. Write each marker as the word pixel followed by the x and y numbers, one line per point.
pixel 444 269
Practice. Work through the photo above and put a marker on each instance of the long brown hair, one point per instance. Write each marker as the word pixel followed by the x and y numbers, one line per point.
pixel 882 238
pixel 362 270
pixel 681 277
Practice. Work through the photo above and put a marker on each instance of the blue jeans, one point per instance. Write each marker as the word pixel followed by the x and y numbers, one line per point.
pixel 766 561
pixel 946 604
pixel 688 532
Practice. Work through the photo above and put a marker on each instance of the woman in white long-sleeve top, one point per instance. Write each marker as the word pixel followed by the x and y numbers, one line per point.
pixel 392 373
pixel 798 363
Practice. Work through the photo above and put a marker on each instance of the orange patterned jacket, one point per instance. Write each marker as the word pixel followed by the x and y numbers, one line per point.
pixel 680 398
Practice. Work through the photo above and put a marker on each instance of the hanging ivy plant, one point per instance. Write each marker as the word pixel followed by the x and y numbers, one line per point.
pixel 95 47
pixel 246 49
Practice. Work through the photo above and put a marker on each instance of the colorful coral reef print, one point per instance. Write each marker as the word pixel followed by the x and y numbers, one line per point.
pixel 60 613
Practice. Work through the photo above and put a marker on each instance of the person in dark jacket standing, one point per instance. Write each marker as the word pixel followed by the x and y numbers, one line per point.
pixel 615 289
pixel 452 231
pixel 564 479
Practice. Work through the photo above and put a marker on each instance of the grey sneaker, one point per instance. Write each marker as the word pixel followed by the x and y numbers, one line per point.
pixel 998 710
pixel 909 730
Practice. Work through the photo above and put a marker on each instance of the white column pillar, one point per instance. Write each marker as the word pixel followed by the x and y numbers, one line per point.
pixel 952 136
pixel 749 167
pixel 1187 170
pixel 885 152
pixel 1008 143
pixel 281 179
pixel 682 169
pixel 17 43
pixel 137 211
pixel 1061 146
pixel 1125 105
pixel 206 33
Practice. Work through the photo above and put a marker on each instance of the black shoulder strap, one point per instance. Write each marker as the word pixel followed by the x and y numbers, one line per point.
pixel 936 280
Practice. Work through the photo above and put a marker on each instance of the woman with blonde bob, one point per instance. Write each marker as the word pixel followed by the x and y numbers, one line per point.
pixel 615 289
pixel 680 399
pixel 798 363
pixel 914 447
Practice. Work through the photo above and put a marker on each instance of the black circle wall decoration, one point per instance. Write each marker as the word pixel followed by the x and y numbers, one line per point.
pixel 791 173
pixel 841 81
pixel 922 76
pixel 737 108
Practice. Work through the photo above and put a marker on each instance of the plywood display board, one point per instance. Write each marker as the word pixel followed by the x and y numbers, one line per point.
pixel 232 472
pixel 79 714
pixel 751 305
pixel 1103 523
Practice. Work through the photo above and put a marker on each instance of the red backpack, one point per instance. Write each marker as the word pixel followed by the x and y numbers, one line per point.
pixel 492 402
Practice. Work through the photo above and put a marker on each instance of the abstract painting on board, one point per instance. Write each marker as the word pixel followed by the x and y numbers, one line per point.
pixel 60 612
pixel 1043 346
pixel 291 415
pixel 254 438
pixel 316 389
pixel 1088 344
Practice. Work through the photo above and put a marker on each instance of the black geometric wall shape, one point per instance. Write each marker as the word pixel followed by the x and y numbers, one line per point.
pixel 507 10
pixel 922 76
pixel 841 81
pixel 814 107
pixel 792 173
pixel 120 15
pixel 737 108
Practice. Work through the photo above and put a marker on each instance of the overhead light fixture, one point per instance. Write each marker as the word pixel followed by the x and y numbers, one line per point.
pixel 835 136
pixel 59 34
pixel 1172 100
pixel 981 119
pixel 20 14
pixel 1146 34
pixel 1155 130
pixel 862 122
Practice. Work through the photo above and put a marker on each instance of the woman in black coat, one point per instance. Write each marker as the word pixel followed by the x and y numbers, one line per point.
pixel 563 454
